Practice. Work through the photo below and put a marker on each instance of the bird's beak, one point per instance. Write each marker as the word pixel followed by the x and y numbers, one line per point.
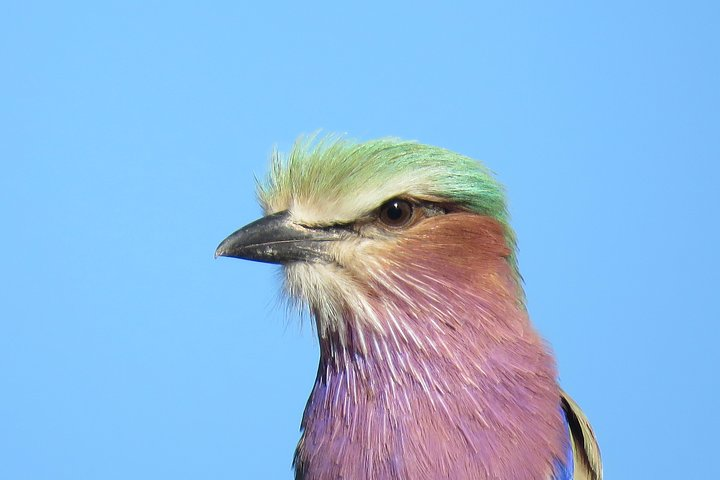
pixel 277 239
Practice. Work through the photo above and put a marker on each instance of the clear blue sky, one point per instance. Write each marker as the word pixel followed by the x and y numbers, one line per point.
pixel 130 133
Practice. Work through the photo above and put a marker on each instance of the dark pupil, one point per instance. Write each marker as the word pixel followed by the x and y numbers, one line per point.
pixel 394 212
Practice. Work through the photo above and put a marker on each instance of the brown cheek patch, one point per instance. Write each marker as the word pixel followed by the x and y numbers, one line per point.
pixel 461 230
pixel 466 243
pixel 461 255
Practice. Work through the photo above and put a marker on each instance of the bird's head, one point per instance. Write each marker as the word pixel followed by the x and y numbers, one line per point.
pixel 377 237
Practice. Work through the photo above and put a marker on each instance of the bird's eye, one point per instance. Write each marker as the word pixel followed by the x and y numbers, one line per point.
pixel 396 213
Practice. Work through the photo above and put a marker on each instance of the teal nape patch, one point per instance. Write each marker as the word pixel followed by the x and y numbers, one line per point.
pixel 335 169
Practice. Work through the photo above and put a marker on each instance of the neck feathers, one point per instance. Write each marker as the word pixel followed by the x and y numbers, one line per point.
pixel 443 376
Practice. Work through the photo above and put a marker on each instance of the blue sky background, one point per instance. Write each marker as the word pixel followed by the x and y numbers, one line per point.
pixel 129 136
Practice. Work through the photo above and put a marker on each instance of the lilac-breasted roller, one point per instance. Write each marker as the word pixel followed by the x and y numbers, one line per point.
pixel 429 366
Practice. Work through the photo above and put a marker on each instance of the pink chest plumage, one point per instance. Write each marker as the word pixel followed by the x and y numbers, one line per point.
pixel 457 386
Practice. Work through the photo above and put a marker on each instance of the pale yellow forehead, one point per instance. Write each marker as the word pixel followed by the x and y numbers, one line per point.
pixel 338 181
pixel 334 206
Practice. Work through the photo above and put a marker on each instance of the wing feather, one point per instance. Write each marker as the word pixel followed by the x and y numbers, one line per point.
pixel 586 453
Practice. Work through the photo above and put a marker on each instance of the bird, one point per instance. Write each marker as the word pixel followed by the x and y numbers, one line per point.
pixel 429 367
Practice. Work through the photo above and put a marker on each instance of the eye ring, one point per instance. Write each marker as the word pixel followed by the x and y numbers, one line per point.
pixel 396 212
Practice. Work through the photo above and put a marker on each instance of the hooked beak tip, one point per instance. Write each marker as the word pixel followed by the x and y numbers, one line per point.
pixel 219 251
